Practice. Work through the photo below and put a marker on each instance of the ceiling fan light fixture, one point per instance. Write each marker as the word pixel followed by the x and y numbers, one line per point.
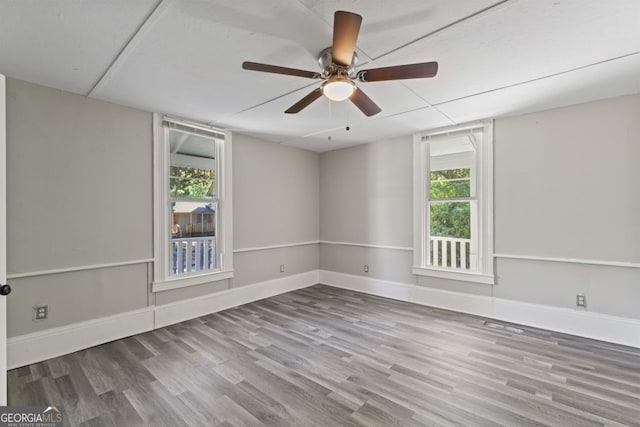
pixel 338 88
pixel 338 69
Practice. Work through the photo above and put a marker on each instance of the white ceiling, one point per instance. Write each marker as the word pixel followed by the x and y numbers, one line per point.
pixel 183 57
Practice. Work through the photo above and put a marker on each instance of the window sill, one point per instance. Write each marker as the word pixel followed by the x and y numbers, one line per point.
pixel 463 276
pixel 183 282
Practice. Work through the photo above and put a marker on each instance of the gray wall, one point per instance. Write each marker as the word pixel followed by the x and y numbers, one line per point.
pixel 364 194
pixel 366 197
pixel 275 194
pixel 80 194
pixel 565 187
pixel 79 174
pixel 571 175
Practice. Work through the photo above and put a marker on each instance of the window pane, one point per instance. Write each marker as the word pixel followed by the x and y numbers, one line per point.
pixel 452 164
pixel 450 243
pixel 450 219
pixel 192 219
pixel 193 166
pixel 193 237
pixel 450 183
pixel 191 182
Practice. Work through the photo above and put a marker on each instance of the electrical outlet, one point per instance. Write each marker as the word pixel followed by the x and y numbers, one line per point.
pixel 581 300
pixel 366 268
pixel 40 312
pixel 281 268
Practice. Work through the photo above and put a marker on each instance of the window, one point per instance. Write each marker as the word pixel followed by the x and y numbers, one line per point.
pixel 453 203
pixel 193 204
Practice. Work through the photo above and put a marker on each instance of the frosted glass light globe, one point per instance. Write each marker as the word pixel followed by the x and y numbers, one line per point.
pixel 338 88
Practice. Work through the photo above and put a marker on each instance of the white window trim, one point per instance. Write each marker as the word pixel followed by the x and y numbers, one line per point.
pixel 162 281
pixel 484 162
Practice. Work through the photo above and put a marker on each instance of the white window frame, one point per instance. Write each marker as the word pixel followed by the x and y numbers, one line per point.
pixel 484 195
pixel 162 280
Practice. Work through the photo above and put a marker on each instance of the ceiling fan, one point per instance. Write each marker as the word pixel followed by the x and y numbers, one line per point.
pixel 338 70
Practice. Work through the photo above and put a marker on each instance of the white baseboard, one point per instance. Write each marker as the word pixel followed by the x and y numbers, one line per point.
pixel 188 309
pixel 36 347
pixel 466 303
pixel 614 329
pixel 587 324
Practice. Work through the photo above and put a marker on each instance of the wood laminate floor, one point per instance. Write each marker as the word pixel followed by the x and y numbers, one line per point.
pixel 327 357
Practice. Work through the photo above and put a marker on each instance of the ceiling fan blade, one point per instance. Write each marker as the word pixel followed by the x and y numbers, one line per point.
pixel 399 72
pixel 304 102
pixel 346 26
pixel 266 68
pixel 364 103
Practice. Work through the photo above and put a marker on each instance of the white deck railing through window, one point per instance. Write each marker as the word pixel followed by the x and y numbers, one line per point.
pixel 193 254
pixel 451 252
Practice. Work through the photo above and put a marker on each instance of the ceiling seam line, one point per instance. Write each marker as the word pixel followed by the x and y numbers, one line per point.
pixel 158 9
pixel 313 12
pixel 261 104
pixel 560 73
pixel 456 22
pixel 429 104
pixel 445 115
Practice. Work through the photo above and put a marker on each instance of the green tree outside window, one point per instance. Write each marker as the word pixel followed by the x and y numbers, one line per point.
pixel 450 219
pixel 192 183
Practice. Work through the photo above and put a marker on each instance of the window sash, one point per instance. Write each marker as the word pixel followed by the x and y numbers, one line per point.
pixel 194 245
pixel 463 250
pixel 198 254
pixel 450 180
pixel 453 199
pixel 435 255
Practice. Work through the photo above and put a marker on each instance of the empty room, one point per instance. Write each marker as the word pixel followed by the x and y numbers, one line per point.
pixel 319 213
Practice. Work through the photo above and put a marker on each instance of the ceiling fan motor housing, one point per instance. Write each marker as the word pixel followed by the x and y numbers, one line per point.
pixel 329 68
